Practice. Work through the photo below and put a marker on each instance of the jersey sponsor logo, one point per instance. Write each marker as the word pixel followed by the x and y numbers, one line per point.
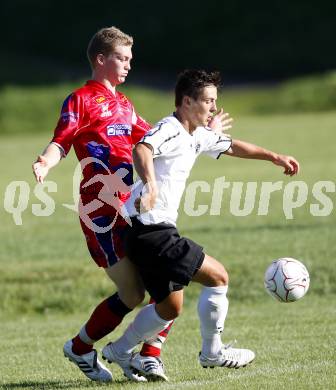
pixel 118 129
pixel 70 116
pixel 105 112
pixel 100 99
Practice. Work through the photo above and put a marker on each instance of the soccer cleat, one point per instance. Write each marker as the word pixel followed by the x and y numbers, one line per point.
pixel 109 354
pixel 88 364
pixel 150 366
pixel 228 357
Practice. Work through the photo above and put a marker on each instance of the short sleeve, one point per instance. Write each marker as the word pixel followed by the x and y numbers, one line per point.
pixel 70 120
pixel 139 127
pixel 215 144
pixel 163 138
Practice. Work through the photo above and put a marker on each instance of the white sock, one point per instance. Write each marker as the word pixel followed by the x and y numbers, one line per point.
pixel 146 324
pixel 212 309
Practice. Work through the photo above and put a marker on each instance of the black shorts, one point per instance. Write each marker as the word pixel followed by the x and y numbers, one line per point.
pixel 166 261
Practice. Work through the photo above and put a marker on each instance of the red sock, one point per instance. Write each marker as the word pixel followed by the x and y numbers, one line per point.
pixel 150 350
pixel 79 347
pixel 102 321
pixel 105 318
pixel 153 347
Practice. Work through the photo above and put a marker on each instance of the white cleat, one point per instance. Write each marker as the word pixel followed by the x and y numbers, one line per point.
pixel 109 354
pixel 88 364
pixel 150 366
pixel 228 357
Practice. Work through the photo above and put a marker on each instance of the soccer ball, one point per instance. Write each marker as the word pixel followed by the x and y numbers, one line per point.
pixel 286 279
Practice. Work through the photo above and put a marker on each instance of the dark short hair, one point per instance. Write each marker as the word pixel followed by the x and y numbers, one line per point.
pixel 191 81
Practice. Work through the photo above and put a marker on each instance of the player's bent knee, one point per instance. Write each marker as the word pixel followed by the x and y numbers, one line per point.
pixel 222 277
pixel 171 307
pixel 136 300
pixel 168 312
pixel 212 273
pixel 218 273
pixel 174 311
pixel 132 298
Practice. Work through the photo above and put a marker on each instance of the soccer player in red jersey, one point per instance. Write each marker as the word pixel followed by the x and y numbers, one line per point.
pixel 102 126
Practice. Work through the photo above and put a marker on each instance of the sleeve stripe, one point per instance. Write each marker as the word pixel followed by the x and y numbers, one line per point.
pixel 154 132
pixel 228 140
pixel 166 140
pixel 146 136
pixel 223 140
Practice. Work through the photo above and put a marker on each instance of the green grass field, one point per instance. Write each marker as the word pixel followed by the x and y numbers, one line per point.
pixel 49 285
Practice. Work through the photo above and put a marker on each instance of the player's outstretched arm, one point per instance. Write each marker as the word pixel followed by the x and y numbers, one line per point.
pixel 143 164
pixel 246 150
pixel 48 159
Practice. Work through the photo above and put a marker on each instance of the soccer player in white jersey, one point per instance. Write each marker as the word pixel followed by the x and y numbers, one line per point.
pixel 167 262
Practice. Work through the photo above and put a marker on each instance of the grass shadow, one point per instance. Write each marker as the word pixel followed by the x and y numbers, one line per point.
pixel 66 384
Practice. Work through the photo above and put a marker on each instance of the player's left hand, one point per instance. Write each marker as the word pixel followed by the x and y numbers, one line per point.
pixel 221 122
pixel 291 165
pixel 147 201
pixel 144 204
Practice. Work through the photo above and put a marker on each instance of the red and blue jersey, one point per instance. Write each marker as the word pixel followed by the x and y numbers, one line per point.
pixel 101 126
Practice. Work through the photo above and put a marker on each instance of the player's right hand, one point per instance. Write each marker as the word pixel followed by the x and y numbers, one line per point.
pixel 291 165
pixel 40 168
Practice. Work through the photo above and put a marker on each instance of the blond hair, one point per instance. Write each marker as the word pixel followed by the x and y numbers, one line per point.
pixel 105 41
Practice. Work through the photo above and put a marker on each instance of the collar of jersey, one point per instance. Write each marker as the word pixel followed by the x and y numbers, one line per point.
pixel 173 116
pixel 101 87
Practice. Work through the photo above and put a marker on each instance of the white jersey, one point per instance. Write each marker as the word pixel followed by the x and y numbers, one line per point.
pixel 174 154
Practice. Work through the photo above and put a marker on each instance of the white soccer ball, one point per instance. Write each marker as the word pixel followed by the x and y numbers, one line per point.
pixel 286 279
